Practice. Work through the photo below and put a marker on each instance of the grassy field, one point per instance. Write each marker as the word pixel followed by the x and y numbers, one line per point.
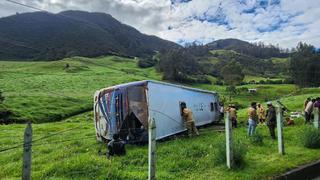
pixel 73 154
pixel 47 91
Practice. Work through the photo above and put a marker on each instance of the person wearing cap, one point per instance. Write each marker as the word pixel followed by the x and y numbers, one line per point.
pixel 261 113
pixel 253 118
pixel 233 115
pixel 271 119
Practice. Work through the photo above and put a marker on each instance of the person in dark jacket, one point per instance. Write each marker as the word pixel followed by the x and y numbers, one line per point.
pixel 116 147
pixel 271 119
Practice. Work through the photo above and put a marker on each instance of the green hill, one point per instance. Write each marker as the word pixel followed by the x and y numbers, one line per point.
pixel 251 65
pixel 46 36
pixel 48 91
pixel 52 91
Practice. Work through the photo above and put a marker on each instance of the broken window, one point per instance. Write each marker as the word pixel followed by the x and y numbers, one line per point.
pixel 182 106
pixel 211 106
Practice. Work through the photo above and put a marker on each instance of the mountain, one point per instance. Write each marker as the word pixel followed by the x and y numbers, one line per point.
pixel 46 36
pixel 258 50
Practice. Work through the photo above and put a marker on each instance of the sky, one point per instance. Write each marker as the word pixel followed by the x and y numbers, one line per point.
pixel 278 22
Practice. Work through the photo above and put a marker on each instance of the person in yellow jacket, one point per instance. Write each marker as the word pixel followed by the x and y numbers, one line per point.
pixel 189 121
pixel 261 113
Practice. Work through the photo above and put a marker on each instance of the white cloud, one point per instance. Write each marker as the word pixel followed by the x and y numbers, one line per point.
pixel 283 22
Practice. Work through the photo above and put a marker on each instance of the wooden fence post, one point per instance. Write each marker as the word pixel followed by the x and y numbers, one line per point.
pixel 280 130
pixel 152 150
pixel 27 143
pixel 229 142
pixel 316 122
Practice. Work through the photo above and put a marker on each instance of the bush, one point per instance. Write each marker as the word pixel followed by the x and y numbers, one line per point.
pixel 256 139
pixel 239 153
pixel 219 82
pixel 145 63
pixel 310 138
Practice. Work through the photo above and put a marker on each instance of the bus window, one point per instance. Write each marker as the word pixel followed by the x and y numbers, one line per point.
pixel 182 106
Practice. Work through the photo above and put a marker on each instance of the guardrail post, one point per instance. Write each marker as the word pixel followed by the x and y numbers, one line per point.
pixel 280 130
pixel 152 150
pixel 229 149
pixel 27 143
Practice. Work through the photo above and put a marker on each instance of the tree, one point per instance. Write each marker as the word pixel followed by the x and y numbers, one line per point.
pixel 232 75
pixel 305 65
pixel 178 65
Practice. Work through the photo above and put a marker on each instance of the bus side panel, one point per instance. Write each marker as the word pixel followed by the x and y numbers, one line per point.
pixel 164 106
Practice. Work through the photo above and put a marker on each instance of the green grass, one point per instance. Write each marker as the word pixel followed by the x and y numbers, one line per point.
pixel 46 91
pixel 41 91
pixel 180 158
pixel 249 78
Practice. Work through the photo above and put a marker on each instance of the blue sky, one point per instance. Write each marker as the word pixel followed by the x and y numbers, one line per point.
pixel 283 22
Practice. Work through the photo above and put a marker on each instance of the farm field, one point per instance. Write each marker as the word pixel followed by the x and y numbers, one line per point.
pixel 44 92
pixel 48 91
pixel 73 154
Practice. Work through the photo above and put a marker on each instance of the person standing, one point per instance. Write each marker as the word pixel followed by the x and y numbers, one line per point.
pixel 253 118
pixel 306 102
pixel 189 120
pixel 271 119
pixel 308 110
pixel 317 103
pixel 233 115
pixel 261 113
pixel 221 111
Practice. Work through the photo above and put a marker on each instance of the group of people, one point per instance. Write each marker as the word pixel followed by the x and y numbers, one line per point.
pixel 308 108
pixel 256 114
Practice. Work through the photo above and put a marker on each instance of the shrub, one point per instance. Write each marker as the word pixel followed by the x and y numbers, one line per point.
pixel 310 138
pixel 256 139
pixel 147 62
pixel 239 153
pixel 219 82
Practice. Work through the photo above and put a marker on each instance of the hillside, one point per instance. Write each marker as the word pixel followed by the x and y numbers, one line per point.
pixel 49 91
pixel 251 65
pixel 44 36
pixel 258 50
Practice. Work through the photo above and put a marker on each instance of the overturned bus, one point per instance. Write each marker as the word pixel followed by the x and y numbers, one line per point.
pixel 126 108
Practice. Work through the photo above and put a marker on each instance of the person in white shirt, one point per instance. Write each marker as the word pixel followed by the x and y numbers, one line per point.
pixel 308 110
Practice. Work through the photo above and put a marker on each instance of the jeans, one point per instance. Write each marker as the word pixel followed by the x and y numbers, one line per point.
pixel 251 127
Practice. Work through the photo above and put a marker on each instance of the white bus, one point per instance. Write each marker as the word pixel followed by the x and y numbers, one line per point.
pixel 125 109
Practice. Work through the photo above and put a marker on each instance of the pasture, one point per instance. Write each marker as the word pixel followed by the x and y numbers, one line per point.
pixel 44 92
